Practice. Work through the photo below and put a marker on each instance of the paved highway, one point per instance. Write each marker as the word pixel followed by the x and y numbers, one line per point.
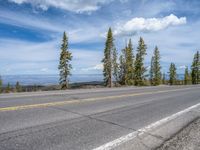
pixel 85 119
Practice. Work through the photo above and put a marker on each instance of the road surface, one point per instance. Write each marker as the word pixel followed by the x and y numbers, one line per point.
pixel 85 119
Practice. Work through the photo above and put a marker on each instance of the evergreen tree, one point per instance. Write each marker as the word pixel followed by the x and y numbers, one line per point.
pixel 115 66
pixel 122 67
pixel 172 74
pixel 151 72
pixel 196 69
pixel 1 85
pixel 129 75
pixel 64 65
pixel 163 79
pixel 156 67
pixel 109 60
pixel 139 73
pixel 187 76
pixel 18 87
pixel 8 88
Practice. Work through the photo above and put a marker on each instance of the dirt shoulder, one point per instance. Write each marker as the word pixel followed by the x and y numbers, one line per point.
pixel 187 139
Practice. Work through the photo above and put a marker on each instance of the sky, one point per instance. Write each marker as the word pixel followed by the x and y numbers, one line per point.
pixel 31 32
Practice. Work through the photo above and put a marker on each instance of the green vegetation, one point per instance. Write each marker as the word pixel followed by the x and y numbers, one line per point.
pixel 8 88
pixel 187 77
pixel 115 65
pixel 155 70
pixel 1 85
pixel 126 69
pixel 131 70
pixel 172 74
pixel 196 69
pixel 129 64
pixel 109 60
pixel 122 66
pixel 18 87
pixel 163 79
pixel 64 65
pixel 140 70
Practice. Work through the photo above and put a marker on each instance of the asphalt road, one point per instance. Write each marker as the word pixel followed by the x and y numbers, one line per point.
pixel 85 119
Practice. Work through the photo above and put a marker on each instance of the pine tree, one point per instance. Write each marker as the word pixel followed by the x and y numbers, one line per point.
pixel 172 74
pixel 122 67
pixel 115 66
pixel 129 75
pixel 109 60
pixel 139 73
pixel 151 72
pixel 1 85
pixel 196 69
pixel 156 67
pixel 18 87
pixel 8 88
pixel 186 76
pixel 64 65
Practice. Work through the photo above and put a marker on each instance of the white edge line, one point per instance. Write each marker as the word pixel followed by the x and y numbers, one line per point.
pixel 131 136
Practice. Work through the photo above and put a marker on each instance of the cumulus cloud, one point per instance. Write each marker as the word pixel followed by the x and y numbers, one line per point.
pixel 136 25
pixel 70 5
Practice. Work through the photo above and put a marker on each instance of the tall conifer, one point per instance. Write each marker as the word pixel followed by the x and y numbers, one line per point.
pixel 65 65
pixel 196 69
pixel 18 87
pixel 1 85
pixel 115 66
pixel 151 72
pixel 122 68
pixel 172 74
pixel 186 76
pixel 163 79
pixel 139 73
pixel 156 67
pixel 129 75
pixel 109 60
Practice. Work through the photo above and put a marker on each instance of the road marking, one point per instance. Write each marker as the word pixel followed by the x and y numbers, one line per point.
pixel 21 107
pixel 131 136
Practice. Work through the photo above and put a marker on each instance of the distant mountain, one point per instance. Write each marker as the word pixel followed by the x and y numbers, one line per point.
pixel 48 79
pixel 54 79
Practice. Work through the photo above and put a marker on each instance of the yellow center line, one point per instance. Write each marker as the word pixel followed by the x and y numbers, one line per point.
pixel 41 105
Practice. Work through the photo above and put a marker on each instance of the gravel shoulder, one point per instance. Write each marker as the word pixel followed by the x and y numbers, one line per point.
pixel 187 139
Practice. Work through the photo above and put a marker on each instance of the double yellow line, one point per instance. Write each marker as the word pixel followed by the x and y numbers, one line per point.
pixel 42 105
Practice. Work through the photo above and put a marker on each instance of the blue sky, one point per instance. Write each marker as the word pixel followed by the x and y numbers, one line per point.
pixel 31 32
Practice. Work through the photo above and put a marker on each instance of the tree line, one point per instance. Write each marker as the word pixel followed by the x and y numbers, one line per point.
pixel 8 88
pixel 129 69
pixel 124 70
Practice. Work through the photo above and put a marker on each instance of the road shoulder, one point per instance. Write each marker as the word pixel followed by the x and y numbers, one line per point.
pixel 187 138
pixel 154 135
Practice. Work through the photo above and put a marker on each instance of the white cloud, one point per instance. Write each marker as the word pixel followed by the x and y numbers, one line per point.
pixel 96 67
pixel 44 70
pixel 182 67
pixel 136 25
pixel 24 57
pixel 21 51
pixel 31 22
pixel 76 32
pixel 78 6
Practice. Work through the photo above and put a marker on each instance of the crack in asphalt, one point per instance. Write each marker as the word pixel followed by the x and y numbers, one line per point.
pixel 112 123
pixel 93 118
